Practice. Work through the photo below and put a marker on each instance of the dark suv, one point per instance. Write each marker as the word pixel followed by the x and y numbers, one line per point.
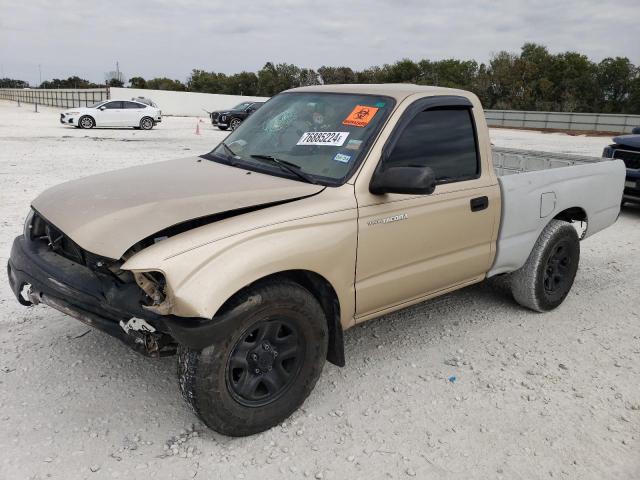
pixel 627 149
pixel 233 118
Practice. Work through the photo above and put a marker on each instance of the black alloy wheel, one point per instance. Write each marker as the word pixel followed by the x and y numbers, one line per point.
pixel 265 362
pixel 556 272
pixel 546 278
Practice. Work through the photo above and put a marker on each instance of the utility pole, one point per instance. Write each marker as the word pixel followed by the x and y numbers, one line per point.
pixel 117 71
pixel 40 74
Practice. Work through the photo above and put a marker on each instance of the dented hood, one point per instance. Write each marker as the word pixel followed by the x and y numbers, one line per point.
pixel 108 213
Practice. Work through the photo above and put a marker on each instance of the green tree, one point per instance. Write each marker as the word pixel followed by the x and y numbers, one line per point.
pixel 137 82
pixel 12 83
pixel 115 82
pixel 166 84
pixel 615 80
pixel 207 82
pixel 273 79
pixel 71 82
pixel 243 83
pixel 332 75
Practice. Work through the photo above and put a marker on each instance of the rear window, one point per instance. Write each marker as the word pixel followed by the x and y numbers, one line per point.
pixel 134 105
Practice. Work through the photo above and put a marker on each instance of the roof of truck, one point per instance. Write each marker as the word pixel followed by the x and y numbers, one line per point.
pixel 395 90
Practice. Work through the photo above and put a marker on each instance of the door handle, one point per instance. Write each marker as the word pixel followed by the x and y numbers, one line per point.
pixel 479 203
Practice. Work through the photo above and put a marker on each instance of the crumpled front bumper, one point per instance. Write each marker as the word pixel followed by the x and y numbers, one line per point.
pixel 39 275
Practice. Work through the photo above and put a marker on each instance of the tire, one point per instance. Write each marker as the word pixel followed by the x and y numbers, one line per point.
pixel 235 123
pixel 546 278
pixel 86 122
pixel 222 128
pixel 251 381
pixel 146 123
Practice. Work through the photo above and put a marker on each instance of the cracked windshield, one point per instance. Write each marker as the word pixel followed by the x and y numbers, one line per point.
pixel 311 137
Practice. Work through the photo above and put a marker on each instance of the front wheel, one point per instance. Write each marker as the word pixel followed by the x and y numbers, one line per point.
pixel 146 123
pixel 86 122
pixel 235 123
pixel 262 370
pixel 547 277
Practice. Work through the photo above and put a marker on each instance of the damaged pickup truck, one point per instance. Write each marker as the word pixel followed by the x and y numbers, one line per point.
pixel 329 206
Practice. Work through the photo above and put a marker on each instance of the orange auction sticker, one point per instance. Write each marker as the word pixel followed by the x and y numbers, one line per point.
pixel 360 116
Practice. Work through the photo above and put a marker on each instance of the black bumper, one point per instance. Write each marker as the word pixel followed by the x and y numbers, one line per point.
pixel 101 301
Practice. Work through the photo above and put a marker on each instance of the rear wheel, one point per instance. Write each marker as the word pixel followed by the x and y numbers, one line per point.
pixel 146 123
pixel 547 277
pixel 86 122
pixel 265 368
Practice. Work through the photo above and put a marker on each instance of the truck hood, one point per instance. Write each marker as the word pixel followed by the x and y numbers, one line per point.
pixel 108 213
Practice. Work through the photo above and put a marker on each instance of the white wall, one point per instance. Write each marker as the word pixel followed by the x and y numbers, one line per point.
pixel 188 104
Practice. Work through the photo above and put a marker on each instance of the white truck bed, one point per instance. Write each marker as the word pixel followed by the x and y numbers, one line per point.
pixel 537 186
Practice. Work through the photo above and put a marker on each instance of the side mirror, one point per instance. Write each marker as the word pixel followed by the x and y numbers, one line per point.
pixel 101 108
pixel 406 180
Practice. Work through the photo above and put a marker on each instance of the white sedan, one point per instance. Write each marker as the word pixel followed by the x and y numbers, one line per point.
pixel 113 113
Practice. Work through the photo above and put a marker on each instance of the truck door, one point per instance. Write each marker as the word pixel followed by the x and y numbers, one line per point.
pixel 413 246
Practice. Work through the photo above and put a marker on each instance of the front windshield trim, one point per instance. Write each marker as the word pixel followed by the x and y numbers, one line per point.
pixel 321 180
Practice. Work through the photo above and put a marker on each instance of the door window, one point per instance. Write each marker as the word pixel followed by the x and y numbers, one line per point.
pixel 113 105
pixel 443 139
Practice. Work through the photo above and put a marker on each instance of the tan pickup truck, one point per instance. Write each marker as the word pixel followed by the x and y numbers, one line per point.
pixel 329 206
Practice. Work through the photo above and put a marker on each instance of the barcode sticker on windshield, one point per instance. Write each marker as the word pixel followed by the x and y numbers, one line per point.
pixel 333 139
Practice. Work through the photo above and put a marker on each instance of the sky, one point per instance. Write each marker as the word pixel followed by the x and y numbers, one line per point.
pixel 149 38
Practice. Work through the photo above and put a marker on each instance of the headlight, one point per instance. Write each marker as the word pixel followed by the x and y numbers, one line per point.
pixel 28 224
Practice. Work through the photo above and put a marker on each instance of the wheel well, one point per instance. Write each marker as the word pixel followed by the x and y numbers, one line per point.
pixel 575 214
pixel 572 214
pixel 322 290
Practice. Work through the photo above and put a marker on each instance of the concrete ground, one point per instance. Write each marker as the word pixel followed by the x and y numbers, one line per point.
pixel 553 395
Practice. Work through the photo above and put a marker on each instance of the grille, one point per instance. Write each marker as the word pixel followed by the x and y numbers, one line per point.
pixel 45 232
pixel 630 158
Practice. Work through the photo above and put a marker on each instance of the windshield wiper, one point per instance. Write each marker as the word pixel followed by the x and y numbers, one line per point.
pixel 232 154
pixel 288 166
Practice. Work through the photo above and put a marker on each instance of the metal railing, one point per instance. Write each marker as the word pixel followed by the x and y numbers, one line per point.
pixel 64 97
pixel 591 122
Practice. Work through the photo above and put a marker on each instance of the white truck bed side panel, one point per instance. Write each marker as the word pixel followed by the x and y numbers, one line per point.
pixel 531 199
